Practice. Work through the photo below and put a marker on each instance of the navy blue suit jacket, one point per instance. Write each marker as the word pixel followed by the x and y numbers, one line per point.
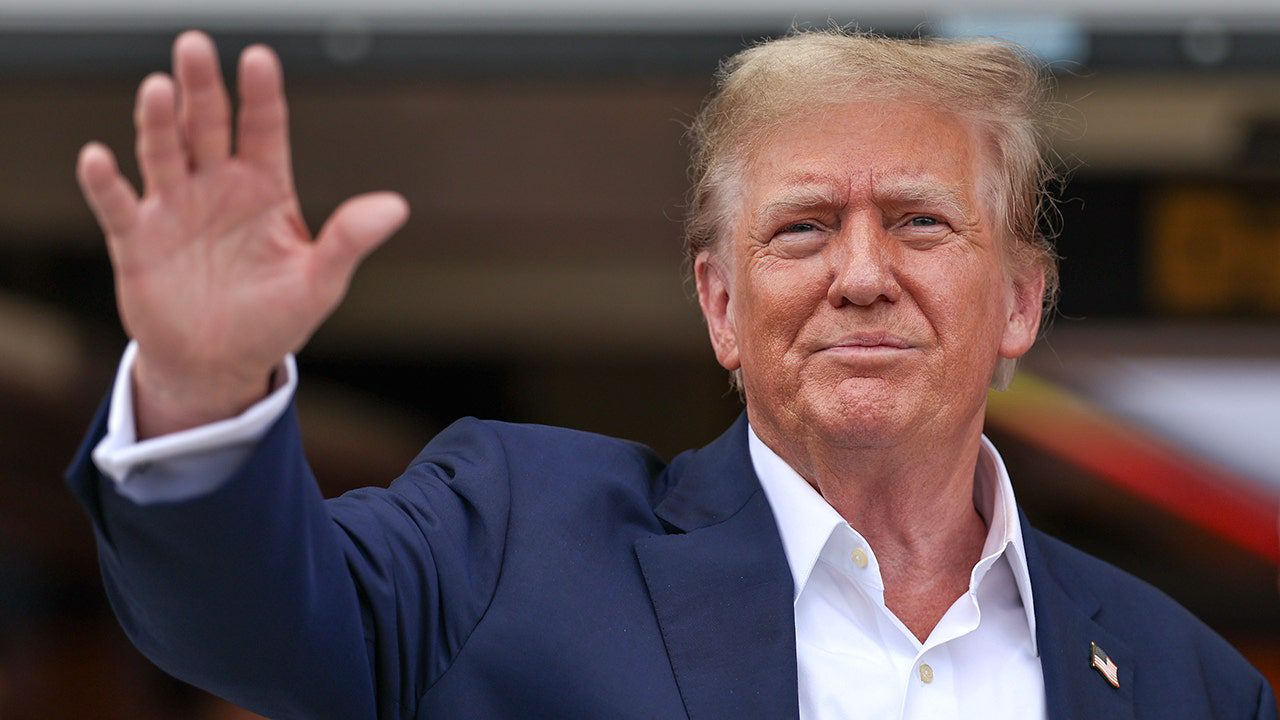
pixel 519 571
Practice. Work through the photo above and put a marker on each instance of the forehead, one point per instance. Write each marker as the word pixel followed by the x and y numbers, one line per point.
pixel 869 150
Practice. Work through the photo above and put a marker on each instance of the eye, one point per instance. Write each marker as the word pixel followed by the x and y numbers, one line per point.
pixel 923 221
pixel 799 239
pixel 800 227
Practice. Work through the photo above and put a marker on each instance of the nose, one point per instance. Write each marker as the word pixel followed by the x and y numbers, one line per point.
pixel 863 266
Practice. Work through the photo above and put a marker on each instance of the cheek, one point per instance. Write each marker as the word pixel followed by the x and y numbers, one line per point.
pixel 772 307
pixel 964 302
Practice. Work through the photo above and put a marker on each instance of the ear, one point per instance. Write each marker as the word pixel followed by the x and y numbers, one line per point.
pixel 1024 302
pixel 713 296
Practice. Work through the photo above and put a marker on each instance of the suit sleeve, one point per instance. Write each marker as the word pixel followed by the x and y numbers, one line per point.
pixel 295 607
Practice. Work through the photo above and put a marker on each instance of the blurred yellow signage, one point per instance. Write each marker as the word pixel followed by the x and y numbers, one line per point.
pixel 1214 250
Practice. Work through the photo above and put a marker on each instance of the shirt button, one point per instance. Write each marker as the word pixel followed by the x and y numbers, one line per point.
pixel 859 557
pixel 926 673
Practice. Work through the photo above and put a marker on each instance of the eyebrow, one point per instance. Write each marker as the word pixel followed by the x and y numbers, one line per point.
pixel 798 197
pixel 924 191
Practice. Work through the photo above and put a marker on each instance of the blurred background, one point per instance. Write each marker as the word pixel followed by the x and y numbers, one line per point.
pixel 540 278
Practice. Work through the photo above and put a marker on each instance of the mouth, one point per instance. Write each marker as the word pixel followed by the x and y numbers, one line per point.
pixel 869 342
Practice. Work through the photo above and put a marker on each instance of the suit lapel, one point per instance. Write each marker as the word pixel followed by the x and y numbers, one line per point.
pixel 1065 629
pixel 722 589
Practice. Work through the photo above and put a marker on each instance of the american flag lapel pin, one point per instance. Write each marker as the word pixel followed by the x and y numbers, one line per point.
pixel 1104 664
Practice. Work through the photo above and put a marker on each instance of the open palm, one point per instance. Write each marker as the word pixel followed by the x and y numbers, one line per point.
pixel 216 274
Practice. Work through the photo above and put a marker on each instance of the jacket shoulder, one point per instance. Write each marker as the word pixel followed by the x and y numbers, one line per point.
pixel 1129 604
pixel 546 454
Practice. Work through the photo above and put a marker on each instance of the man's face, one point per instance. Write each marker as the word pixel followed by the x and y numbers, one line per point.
pixel 864 293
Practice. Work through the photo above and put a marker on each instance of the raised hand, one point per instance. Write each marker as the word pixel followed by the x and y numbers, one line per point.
pixel 217 277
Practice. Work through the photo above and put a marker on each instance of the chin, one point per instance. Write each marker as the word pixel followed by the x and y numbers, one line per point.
pixel 859 413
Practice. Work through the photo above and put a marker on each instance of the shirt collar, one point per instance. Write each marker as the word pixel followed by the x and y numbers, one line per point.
pixel 806 520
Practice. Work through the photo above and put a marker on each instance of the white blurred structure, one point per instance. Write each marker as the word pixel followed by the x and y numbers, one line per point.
pixel 1226 409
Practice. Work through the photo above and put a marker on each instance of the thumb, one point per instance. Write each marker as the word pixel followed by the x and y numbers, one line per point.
pixel 356 229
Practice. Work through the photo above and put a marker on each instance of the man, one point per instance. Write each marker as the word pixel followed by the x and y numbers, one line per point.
pixel 863 236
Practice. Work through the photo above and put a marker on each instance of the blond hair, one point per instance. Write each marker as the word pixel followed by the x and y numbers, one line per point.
pixel 996 85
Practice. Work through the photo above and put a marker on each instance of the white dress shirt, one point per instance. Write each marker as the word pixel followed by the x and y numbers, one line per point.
pixel 856 660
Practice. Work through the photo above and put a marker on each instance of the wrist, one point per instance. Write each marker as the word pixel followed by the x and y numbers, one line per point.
pixel 169 402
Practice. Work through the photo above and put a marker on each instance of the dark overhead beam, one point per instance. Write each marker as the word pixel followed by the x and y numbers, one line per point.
pixel 355 52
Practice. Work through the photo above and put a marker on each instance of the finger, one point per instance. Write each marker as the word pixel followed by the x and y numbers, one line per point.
pixel 110 196
pixel 263 138
pixel 161 157
pixel 355 229
pixel 205 111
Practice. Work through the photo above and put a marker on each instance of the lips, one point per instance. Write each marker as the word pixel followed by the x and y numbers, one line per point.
pixel 869 340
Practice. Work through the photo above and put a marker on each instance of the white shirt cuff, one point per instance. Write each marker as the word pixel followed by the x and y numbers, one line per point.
pixel 185 464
